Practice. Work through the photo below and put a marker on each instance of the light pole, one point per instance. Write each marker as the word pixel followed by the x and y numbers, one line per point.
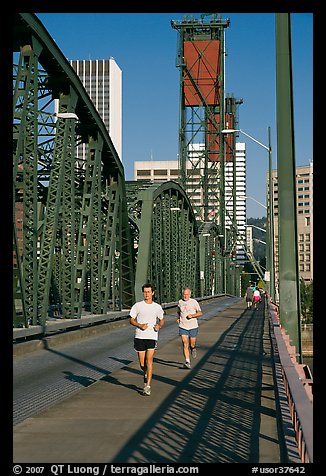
pixel 67 115
pixel 259 203
pixel 260 241
pixel 270 253
pixel 258 228
pixel 287 207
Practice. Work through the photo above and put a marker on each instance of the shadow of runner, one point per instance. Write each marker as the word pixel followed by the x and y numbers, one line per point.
pixel 170 363
pixel 81 379
pixel 114 381
pixel 214 414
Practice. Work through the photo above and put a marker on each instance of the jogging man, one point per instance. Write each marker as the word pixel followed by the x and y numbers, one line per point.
pixel 147 317
pixel 188 311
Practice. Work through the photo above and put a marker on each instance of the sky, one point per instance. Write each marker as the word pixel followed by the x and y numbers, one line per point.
pixel 144 45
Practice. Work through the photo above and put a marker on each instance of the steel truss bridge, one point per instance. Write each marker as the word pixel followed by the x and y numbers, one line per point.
pixel 84 238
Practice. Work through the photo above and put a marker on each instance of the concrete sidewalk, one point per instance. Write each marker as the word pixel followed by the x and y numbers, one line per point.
pixel 220 411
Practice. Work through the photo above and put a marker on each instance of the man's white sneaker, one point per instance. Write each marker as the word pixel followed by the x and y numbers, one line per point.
pixel 147 390
pixel 187 365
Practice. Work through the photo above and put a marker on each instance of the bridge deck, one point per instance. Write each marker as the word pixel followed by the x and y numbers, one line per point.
pixel 222 410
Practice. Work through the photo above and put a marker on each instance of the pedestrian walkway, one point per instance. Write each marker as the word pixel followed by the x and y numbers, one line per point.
pixel 222 410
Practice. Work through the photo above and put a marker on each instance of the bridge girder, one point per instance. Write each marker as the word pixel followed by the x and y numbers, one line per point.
pixel 72 245
pixel 167 245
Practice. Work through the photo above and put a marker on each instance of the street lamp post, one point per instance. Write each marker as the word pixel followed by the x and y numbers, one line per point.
pixel 258 228
pixel 259 203
pixel 260 241
pixel 270 252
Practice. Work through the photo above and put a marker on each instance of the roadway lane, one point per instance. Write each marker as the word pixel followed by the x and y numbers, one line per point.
pixel 45 377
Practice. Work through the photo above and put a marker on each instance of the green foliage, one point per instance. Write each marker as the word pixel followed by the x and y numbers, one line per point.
pixel 245 282
pixel 306 301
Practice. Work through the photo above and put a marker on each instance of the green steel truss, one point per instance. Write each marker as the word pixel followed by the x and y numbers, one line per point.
pixel 72 239
pixel 166 239
pixel 218 274
pixel 210 259
pixel 84 239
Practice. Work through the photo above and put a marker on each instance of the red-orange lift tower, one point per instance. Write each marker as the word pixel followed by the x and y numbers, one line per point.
pixel 203 115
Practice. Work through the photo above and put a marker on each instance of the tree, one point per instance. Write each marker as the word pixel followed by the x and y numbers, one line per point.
pixel 306 301
pixel 245 283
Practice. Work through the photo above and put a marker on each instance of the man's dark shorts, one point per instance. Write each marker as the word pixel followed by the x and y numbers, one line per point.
pixel 144 344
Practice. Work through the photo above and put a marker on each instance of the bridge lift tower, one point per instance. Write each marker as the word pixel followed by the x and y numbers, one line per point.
pixel 204 113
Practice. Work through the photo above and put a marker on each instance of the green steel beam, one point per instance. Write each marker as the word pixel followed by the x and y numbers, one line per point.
pixel 95 252
pixel 65 132
pixel 92 169
pixel 110 249
pixel 68 220
pixel 144 251
pixel 289 283
pixel 25 169
pixel 127 265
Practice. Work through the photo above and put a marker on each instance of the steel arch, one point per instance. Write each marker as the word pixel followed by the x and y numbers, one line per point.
pixel 168 242
pixel 72 244
pixel 211 270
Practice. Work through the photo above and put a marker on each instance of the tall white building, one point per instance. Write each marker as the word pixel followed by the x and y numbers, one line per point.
pixel 249 240
pixel 102 79
pixel 240 197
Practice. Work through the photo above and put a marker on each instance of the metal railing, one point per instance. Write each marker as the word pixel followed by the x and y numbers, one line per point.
pixel 59 324
pixel 299 398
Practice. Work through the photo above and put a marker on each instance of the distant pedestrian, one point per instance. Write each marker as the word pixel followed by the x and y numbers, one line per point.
pixel 256 298
pixel 148 318
pixel 249 295
pixel 188 311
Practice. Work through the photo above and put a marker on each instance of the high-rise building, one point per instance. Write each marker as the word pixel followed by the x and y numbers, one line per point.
pixel 249 240
pixel 102 79
pixel 239 194
pixel 304 197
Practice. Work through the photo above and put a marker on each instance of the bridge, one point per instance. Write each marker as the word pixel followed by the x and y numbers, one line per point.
pixel 85 240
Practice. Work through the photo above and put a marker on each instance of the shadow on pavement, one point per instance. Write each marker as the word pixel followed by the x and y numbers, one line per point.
pixel 213 415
